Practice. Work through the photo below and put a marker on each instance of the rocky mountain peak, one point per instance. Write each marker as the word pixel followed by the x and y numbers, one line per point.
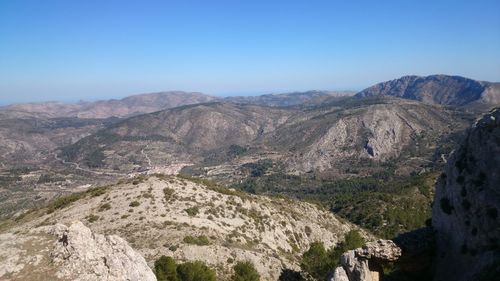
pixel 437 89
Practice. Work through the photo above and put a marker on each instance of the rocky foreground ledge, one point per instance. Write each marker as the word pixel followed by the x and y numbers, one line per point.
pixel 365 263
pixel 60 252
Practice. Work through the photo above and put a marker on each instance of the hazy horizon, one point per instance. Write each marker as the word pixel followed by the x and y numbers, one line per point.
pixel 94 50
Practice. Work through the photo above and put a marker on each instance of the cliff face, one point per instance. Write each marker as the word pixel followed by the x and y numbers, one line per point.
pixel 467 203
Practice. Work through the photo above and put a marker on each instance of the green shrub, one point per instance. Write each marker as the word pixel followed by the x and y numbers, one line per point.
pixel 64 201
pixel 193 211
pixel 97 191
pixel 308 230
pixel 315 261
pixel 134 204
pixel 92 218
pixel 201 240
pixel 245 271
pixel 318 262
pixel 290 275
pixel 352 240
pixel 165 269
pixel 104 207
pixel 168 192
pixel 195 271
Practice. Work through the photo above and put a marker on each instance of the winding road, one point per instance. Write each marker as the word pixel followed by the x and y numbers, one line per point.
pixel 77 166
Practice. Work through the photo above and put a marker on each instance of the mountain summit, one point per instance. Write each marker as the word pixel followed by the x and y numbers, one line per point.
pixel 438 89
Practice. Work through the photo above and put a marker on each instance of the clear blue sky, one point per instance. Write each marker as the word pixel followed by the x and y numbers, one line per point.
pixel 89 49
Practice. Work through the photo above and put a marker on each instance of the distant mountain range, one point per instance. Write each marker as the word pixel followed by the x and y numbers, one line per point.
pixel 147 103
pixel 291 99
pixel 129 106
pixel 434 89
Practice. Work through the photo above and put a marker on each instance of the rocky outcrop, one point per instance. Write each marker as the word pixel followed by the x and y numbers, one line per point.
pixel 365 263
pixel 467 203
pixel 59 252
pixel 83 255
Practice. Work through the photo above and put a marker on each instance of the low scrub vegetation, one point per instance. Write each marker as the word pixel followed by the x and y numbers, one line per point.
pixel 384 204
pixel 166 269
pixel 193 211
pixel 201 240
pixel 245 271
pixel 168 193
pixel 134 204
pixel 64 201
pixel 214 186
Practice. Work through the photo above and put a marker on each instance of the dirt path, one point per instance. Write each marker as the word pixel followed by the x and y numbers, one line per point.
pixel 146 156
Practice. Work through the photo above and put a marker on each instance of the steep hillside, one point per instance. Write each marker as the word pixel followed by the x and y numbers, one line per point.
pixel 438 89
pixel 179 135
pixel 362 131
pixel 191 219
pixel 466 207
pixel 24 140
pixel 225 139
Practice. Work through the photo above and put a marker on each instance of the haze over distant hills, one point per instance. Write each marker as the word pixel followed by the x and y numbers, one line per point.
pixel 433 89
pixel 132 105
pixel 146 103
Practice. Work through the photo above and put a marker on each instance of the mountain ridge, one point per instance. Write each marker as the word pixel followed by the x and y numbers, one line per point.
pixel 438 89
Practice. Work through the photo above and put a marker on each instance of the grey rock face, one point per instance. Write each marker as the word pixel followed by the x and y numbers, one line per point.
pixel 339 275
pixel 365 263
pixel 382 250
pixel 467 203
pixel 84 255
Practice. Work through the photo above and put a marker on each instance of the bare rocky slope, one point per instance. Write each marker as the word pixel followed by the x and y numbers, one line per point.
pixel 439 89
pixel 190 220
pixel 466 207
